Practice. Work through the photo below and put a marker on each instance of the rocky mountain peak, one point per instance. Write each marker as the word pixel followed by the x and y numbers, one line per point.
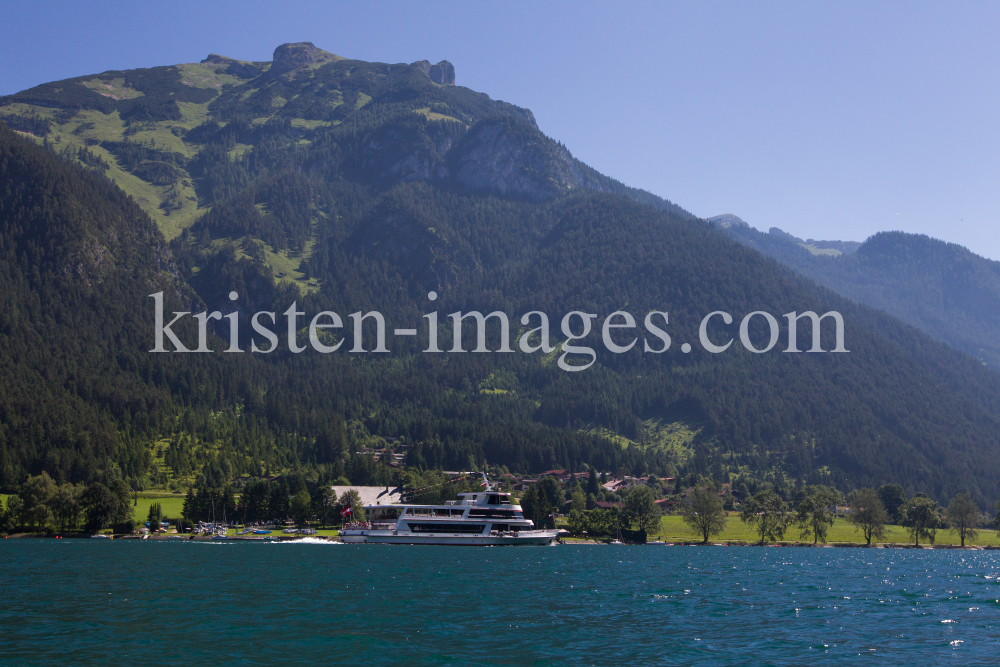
pixel 727 220
pixel 443 72
pixel 296 55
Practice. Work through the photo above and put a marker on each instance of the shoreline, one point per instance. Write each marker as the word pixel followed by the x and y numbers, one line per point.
pixel 793 545
pixel 564 542
pixel 174 538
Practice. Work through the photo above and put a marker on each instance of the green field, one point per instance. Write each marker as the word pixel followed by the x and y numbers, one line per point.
pixel 675 530
pixel 170 504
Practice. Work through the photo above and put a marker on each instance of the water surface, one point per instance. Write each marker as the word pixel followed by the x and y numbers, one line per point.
pixel 90 602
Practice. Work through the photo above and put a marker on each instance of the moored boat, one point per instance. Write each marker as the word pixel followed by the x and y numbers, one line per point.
pixel 479 518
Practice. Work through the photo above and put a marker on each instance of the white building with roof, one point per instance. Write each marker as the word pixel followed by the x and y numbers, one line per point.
pixel 371 495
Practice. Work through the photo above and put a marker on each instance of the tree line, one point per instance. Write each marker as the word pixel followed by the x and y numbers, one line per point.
pixel 40 503
pixel 869 511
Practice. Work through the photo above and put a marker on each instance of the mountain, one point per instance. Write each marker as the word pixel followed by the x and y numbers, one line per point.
pixel 727 220
pixel 349 187
pixel 941 288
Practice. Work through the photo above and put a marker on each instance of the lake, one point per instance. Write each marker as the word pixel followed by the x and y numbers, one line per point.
pixel 128 602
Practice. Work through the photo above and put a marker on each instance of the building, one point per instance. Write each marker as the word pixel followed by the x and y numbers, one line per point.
pixel 600 504
pixel 371 495
pixel 666 504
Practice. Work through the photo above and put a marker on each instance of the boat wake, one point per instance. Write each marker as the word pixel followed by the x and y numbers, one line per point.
pixel 307 540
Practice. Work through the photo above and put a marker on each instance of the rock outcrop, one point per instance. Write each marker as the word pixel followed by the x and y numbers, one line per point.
pixel 402 153
pixel 508 157
pixel 290 57
pixel 443 72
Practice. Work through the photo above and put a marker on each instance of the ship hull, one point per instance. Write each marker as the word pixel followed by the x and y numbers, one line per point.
pixel 534 538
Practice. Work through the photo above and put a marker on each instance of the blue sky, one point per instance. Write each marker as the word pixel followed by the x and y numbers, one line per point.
pixel 828 120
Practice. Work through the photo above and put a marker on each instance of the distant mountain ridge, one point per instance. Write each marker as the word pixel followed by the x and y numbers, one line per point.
pixel 941 288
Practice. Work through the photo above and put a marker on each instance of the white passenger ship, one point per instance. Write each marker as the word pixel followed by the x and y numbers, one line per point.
pixel 478 518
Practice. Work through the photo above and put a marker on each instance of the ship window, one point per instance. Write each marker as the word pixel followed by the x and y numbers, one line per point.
pixel 494 500
pixel 442 527
pixel 491 513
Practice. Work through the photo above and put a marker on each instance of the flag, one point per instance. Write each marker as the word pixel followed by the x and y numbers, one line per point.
pixel 483 484
pixel 345 511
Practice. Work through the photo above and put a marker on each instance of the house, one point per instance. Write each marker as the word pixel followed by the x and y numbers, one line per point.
pixel 620 485
pixel 600 504
pixel 666 504
pixel 615 485
pixel 524 484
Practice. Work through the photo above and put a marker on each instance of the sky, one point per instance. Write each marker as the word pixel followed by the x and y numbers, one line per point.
pixel 827 120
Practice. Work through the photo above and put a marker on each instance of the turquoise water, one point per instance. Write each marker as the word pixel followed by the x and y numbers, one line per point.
pixel 89 602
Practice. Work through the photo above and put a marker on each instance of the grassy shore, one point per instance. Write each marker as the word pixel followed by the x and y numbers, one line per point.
pixel 673 529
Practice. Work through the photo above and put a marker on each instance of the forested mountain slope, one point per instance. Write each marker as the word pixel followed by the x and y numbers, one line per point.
pixel 941 288
pixel 349 186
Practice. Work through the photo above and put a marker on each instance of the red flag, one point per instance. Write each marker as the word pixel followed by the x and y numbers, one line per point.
pixel 345 511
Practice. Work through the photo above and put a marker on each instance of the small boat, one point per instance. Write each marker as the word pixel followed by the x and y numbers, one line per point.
pixel 618 534
pixel 100 536
pixel 261 532
pixel 221 531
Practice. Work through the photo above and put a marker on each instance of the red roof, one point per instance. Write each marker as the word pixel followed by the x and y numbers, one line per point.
pixel 606 505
